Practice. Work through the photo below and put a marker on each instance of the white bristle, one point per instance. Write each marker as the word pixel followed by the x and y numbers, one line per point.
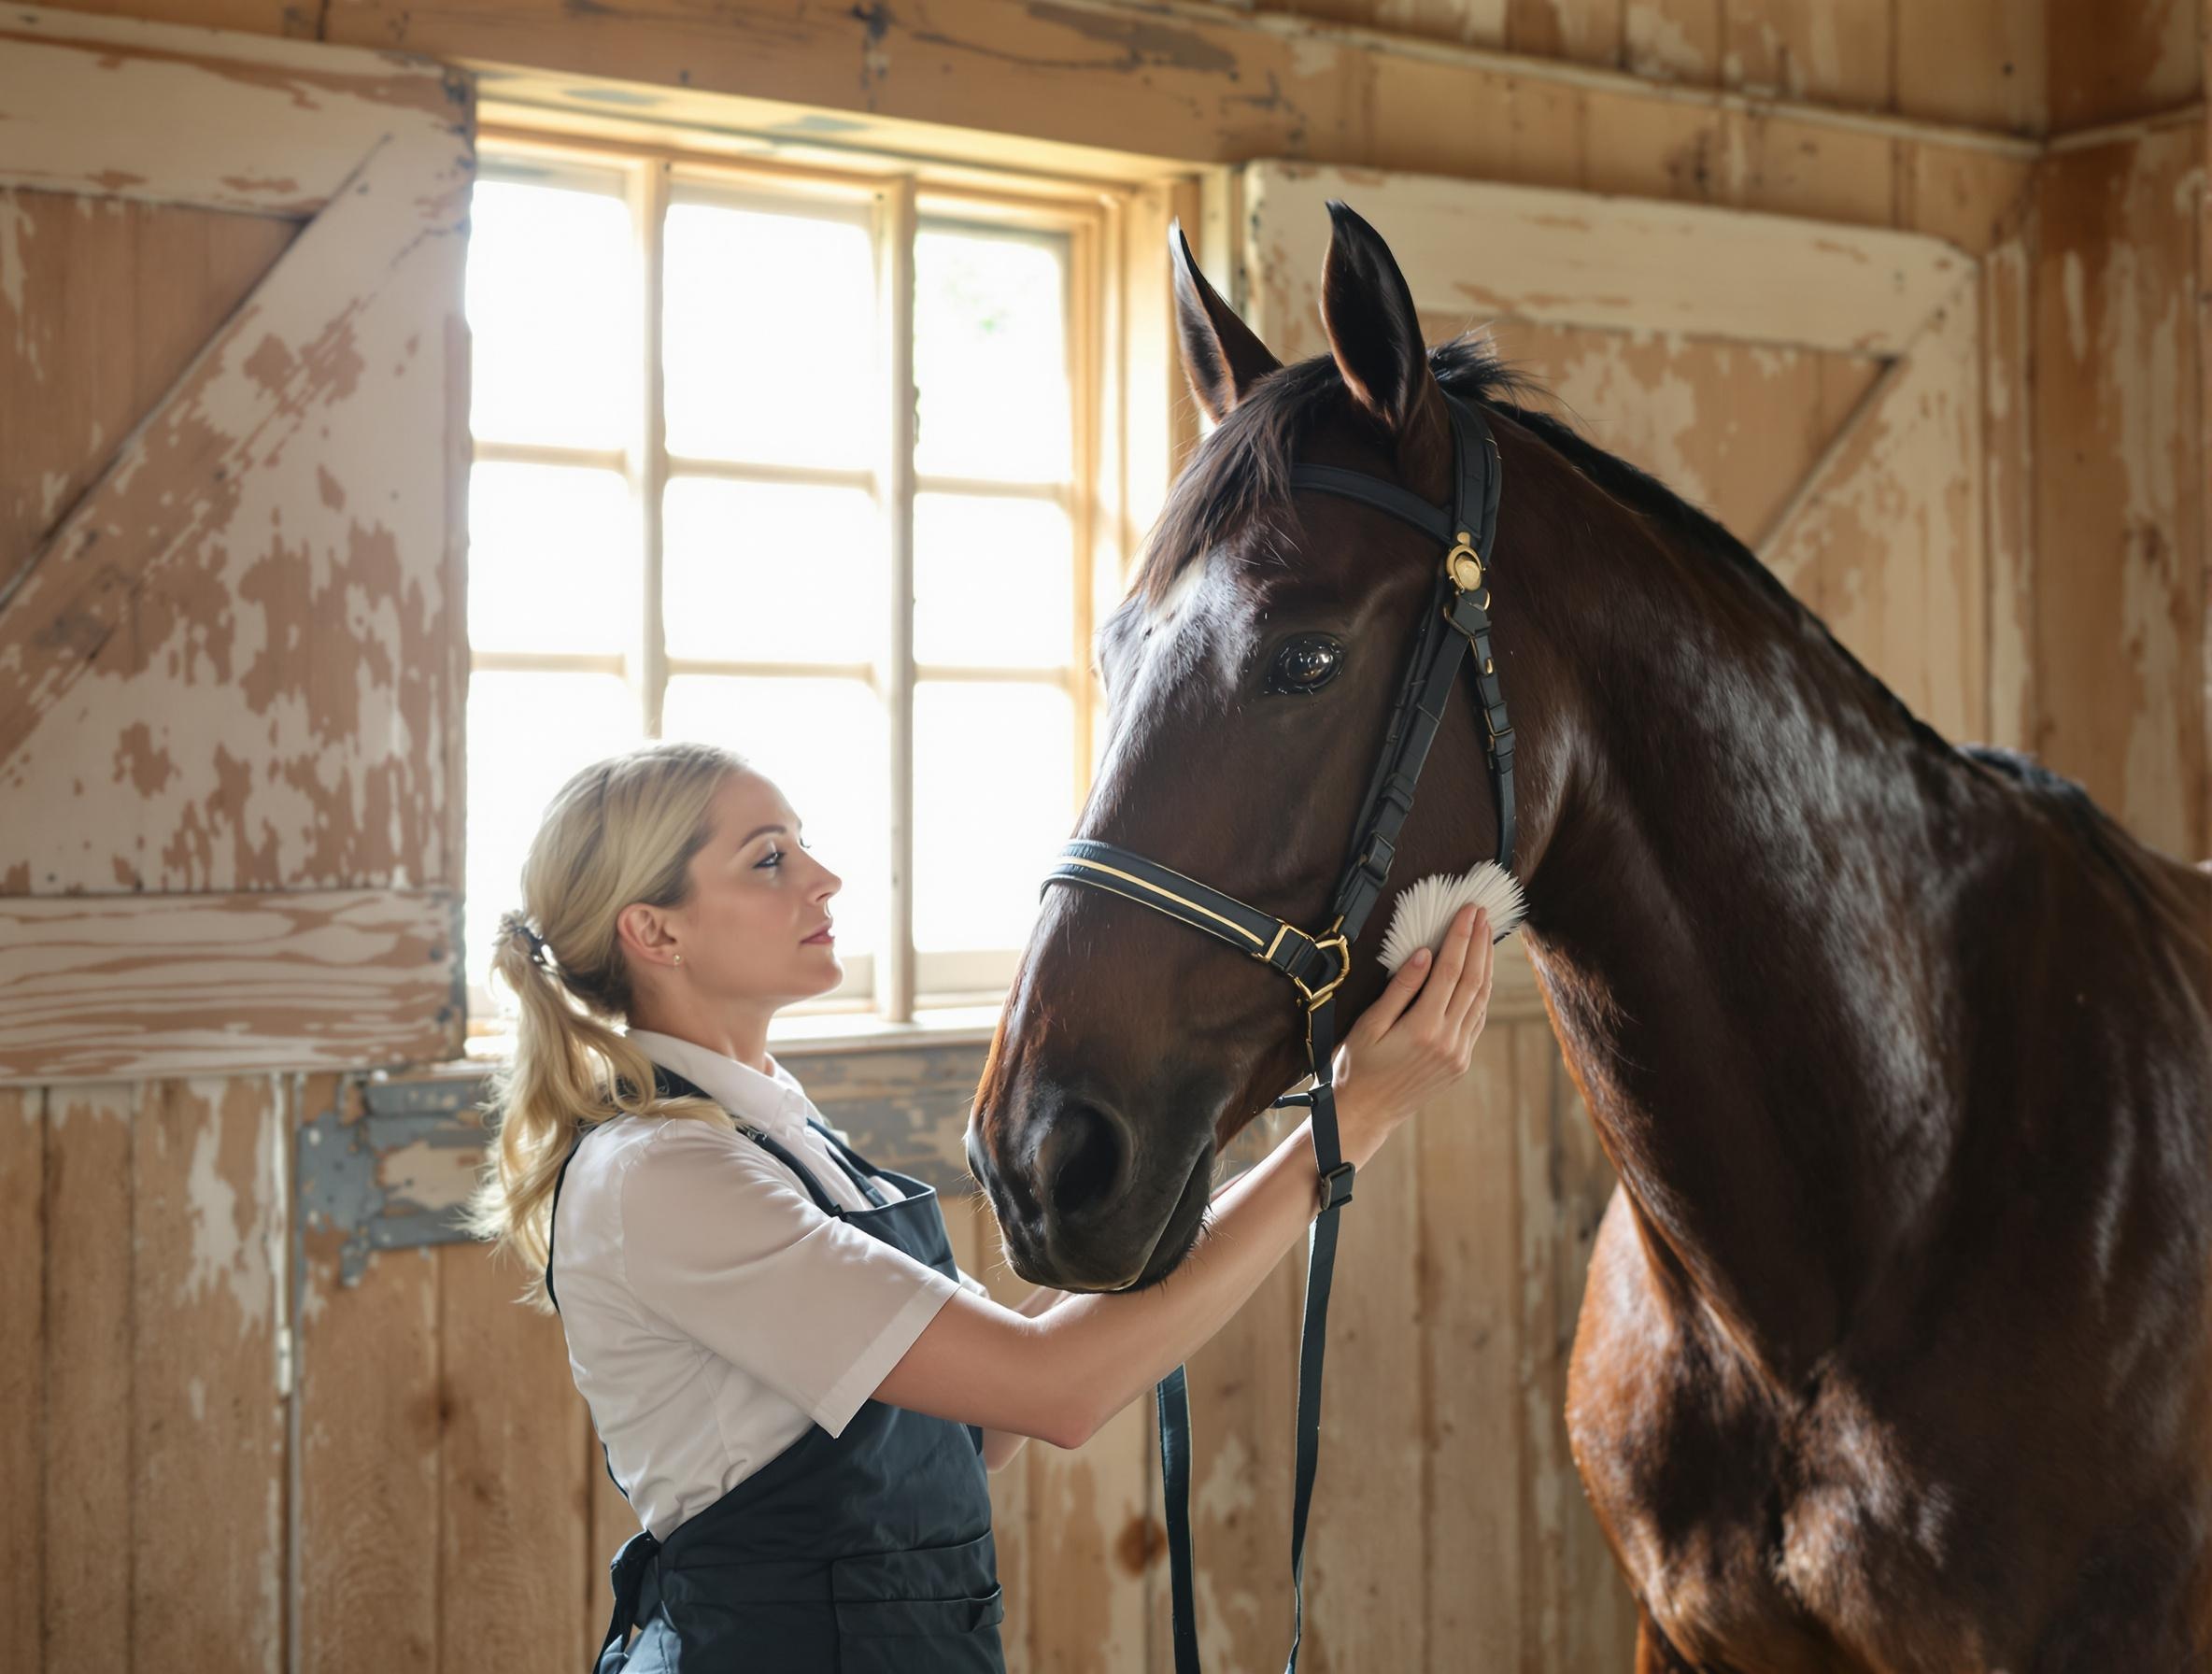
pixel 1425 909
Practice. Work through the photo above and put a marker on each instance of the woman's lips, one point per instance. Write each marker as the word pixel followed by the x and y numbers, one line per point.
pixel 821 936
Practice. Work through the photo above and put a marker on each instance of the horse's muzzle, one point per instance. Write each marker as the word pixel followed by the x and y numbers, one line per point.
pixel 1078 1196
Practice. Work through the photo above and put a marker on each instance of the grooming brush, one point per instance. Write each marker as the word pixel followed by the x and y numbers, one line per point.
pixel 1425 909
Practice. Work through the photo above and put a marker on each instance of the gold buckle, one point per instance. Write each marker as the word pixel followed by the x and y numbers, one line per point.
pixel 1463 564
pixel 1315 997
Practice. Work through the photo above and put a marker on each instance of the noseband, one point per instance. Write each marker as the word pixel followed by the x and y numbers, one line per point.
pixel 1456 621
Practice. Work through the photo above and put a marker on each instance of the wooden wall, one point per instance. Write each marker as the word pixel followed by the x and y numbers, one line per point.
pixel 2117 613
pixel 217 1452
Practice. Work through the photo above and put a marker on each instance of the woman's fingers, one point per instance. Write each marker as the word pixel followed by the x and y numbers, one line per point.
pixel 1434 1006
pixel 1472 993
pixel 1396 995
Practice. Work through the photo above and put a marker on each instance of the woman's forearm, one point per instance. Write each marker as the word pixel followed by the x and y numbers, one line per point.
pixel 1061 1372
pixel 1109 1349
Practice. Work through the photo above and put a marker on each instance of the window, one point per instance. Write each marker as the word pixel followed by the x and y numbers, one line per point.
pixel 699 508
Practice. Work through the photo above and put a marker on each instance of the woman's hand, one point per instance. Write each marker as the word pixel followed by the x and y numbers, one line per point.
pixel 1418 1037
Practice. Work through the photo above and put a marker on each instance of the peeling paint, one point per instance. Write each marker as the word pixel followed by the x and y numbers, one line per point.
pixel 230 1246
pixel 2072 283
pixel 156 606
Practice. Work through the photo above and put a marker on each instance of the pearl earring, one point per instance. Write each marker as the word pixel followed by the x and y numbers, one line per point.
pixel 679 958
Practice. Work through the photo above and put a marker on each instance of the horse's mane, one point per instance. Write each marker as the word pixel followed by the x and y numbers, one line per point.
pixel 1240 478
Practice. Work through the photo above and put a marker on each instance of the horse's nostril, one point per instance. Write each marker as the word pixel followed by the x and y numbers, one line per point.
pixel 1081 1161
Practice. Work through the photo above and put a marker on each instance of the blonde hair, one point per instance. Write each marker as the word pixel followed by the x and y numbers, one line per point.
pixel 621 831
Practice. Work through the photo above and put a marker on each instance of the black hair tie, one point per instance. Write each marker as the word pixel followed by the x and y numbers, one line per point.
pixel 515 924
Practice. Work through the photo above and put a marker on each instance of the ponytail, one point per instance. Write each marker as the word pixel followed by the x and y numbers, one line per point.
pixel 623 830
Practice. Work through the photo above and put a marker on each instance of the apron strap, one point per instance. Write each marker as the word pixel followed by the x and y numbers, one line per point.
pixel 854 1164
pixel 552 1216
pixel 630 1572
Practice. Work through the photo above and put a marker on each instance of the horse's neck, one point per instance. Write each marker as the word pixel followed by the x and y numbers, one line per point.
pixel 1741 928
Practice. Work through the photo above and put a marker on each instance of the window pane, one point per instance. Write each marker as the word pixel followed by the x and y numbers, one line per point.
pixel 552 560
pixel 773 571
pixel 527 734
pixel 769 352
pixel 552 313
pixel 823 742
pixel 993 582
pixel 991 355
pixel 982 840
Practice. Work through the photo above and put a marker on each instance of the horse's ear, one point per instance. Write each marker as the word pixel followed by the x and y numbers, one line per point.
pixel 1220 355
pixel 1375 335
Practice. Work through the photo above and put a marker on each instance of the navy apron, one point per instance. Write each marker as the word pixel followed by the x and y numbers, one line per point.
pixel 860 1553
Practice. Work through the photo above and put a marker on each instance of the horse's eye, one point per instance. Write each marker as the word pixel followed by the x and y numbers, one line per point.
pixel 1305 664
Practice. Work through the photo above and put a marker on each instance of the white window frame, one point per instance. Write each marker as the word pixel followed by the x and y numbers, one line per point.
pixel 888 983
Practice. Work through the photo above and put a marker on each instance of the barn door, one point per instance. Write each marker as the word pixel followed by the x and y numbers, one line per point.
pixel 232 442
pixel 233 446
pixel 1819 389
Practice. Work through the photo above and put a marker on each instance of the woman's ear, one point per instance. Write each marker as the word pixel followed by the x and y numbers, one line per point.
pixel 1375 335
pixel 640 933
pixel 1221 357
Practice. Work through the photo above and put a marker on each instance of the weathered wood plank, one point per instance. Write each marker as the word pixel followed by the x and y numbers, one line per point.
pixel 2008 432
pixel 1980 62
pixel 1366 1556
pixel 295 478
pixel 121 107
pixel 1243 1396
pixel 1087 1577
pixel 1976 201
pixel 24 1349
pixel 1644 147
pixel 1468 22
pixel 206 1494
pixel 1464 1145
pixel 1731 427
pixel 91 1443
pixel 141 985
pixel 1581 31
pixel 976 1248
pixel 1838 54
pixel 1886 542
pixel 2122 58
pixel 1569 259
pixel 368 1438
pixel 1673 40
pixel 1174 82
pixel 86 347
pixel 2120 598
pixel 1814 174
pixel 514 1501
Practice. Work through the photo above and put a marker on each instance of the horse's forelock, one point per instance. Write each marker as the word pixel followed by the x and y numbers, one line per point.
pixel 1242 472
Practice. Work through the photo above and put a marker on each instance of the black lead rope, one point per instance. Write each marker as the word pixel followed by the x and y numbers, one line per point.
pixel 1456 622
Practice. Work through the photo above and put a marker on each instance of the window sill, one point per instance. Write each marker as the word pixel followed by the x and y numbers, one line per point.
pixel 813 1034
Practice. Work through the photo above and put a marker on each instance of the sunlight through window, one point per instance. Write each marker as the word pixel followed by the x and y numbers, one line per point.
pixel 759 608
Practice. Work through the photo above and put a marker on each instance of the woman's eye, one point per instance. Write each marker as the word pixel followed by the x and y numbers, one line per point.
pixel 1305 664
pixel 775 856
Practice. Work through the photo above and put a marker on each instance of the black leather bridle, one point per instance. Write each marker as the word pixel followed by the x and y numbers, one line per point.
pixel 1456 622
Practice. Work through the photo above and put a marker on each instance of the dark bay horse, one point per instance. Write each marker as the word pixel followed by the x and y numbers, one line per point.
pixel 1896 1349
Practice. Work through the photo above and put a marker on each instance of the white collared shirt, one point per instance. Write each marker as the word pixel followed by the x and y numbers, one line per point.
pixel 713 1310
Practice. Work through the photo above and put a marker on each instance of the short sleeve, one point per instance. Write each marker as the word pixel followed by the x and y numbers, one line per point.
pixel 972 1284
pixel 720 1243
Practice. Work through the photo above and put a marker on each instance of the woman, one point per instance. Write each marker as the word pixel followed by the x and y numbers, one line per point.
pixel 798 1391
